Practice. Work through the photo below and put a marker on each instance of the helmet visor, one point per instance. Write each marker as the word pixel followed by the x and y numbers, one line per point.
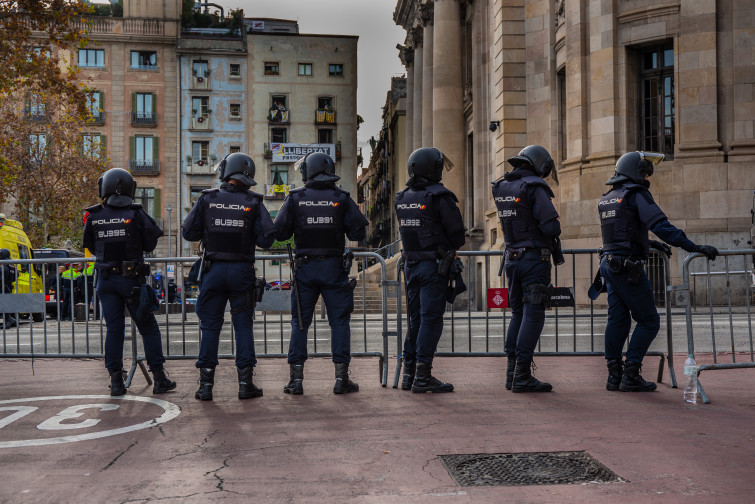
pixel 447 164
pixel 652 157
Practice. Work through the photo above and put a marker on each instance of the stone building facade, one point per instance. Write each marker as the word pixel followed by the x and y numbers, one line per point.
pixel 131 67
pixel 589 81
pixel 384 175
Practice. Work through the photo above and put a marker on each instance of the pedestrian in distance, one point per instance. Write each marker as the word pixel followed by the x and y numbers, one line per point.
pixel 531 229
pixel 319 216
pixel 432 230
pixel 627 211
pixel 230 221
pixel 118 232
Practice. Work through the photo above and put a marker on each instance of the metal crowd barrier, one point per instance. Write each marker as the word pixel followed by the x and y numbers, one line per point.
pixel 471 329
pixel 178 324
pixel 735 282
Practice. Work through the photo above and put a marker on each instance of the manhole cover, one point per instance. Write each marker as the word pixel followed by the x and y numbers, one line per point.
pixel 521 469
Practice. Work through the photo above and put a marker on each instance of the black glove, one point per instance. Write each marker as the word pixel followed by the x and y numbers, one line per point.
pixel 661 246
pixel 707 250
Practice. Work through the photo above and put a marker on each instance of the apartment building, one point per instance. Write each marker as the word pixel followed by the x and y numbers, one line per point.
pixel 131 67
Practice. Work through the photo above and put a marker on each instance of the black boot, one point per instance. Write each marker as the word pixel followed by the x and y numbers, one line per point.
pixel 525 382
pixel 615 369
pixel 117 387
pixel 425 382
pixel 343 384
pixel 247 388
pixel 410 367
pixel 161 381
pixel 632 381
pixel 294 386
pixel 510 366
pixel 206 381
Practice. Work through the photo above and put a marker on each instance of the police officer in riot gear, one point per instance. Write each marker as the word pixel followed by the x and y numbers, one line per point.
pixel 531 228
pixel 230 221
pixel 627 212
pixel 118 232
pixel 318 215
pixel 431 226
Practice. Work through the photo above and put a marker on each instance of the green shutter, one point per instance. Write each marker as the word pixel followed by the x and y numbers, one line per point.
pixel 103 146
pixel 132 142
pixel 155 149
pixel 133 102
pixel 156 209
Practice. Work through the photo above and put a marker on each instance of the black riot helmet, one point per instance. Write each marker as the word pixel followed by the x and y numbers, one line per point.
pixel 117 187
pixel 4 254
pixel 537 159
pixel 633 166
pixel 318 167
pixel 426 163
pixel 237 166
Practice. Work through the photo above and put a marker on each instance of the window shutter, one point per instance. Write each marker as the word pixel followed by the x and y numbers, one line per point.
pixel 103 146
pixel 156 208
pixel 132 142
pixel 133 102
pixel 154 105
pixel 155 149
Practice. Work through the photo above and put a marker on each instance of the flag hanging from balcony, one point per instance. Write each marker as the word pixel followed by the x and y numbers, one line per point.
pixel 290 152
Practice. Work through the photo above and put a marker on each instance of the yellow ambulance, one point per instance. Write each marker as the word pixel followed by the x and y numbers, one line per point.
pixel 13 238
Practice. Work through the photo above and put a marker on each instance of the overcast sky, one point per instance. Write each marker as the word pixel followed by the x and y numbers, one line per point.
pixel 371 20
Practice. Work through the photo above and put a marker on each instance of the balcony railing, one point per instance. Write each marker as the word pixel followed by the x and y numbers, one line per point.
pixel 98 118
pixel 325 116
pixel 202 165
pixel 278 116
pixel 144 166
pixel 143 119
pixel 201 122
pixel 273 191
pixel 36 114
pixel 201 81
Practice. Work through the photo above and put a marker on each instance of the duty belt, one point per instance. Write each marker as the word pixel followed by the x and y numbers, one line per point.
pixel 128 269
pixel 512 254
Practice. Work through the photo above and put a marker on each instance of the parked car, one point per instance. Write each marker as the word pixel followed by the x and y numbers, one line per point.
pixel 278 285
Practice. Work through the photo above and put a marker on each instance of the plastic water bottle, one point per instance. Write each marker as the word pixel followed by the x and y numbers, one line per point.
pixel 691 395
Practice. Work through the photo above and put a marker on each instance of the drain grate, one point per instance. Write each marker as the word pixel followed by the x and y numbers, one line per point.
pixel 522 469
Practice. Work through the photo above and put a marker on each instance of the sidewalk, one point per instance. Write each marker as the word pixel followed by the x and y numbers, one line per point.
pixel 379 445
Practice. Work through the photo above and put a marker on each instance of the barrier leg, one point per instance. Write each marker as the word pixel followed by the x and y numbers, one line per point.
pixel 135 360
pixel 701 391
pixel 660 369
pixel 399 363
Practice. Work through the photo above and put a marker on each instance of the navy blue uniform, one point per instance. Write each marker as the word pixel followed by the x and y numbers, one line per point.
pixel 627 212
pixel 230 221
pixel 529 222
pixel 318 216
pixel 429 222
pixel 115 235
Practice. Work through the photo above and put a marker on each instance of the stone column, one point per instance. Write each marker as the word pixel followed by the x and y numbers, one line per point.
pixel 426 14
pixel 407 58
pixel 448 112
pixel 419 53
